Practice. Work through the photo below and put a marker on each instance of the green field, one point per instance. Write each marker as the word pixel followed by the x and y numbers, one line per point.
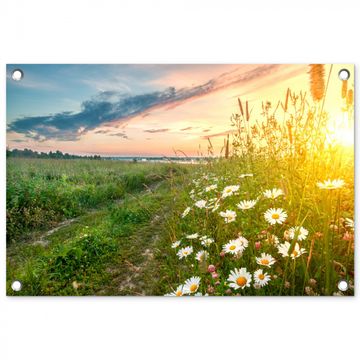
pixel 81 227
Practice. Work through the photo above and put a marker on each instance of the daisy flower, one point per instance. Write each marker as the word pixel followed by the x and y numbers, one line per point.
pixel 211 187
pixel 200 204
pixel 331 184
pixel 260 278
pixel 229 216
pixel 229 190
pixel 275 216
pixel 192 236
pixel 201 255
pixel 284 250
pixel 349 223
pixel 178 292
pixel 236 246
pixel 184 252
pixel 175 244
pixel 299 232
pixel 186 211
pixel 207 242
pixel 246 204
pixel 191 285
pixel 273 194
pixel 239 278
pixel 266 260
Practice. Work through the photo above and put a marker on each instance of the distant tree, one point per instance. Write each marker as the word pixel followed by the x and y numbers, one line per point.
pixel 28 153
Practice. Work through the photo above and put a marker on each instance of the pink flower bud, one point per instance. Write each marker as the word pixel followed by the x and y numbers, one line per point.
pixel 217 283
pixel 210 290
pixel 257 245
pixel 222 254
pixel 211 268
pixel 228 292
pixel 215 275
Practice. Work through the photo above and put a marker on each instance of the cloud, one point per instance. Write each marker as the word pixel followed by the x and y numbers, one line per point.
pixel 224 133
pixel 115 106
pixel 187 128
pixel 120 134
pixel 152 131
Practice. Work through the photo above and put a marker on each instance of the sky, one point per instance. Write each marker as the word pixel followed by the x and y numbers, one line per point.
pixel 142 110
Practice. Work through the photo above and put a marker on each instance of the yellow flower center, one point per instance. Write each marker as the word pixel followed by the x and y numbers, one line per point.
pixel 261 276
pixel 178 293
pixel 185 252
pixel 193 287
pixel 275 216
pixel 295 253
pixel 232 247
pixel 265 261
pixel 228 190
pixel 241 281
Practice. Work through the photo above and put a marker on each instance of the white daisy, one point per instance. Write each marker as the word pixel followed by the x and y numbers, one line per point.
pixel 349 223
pixel 275 216
pixel 178 292
pixel 211 187
pixel 285 247
pixel 273 193
pixel 246 204
pixel 239 278
pixel 207 241
pixel 191 285
pixel 200 294
pixel 184 252
pixel 236 246
pixel 175 244
pixel 186 211
pixel 299 232
pixel 192 236
pixel 200 204
pixel 261 279
pixel 201 255
pixel 229 216
pixel 265 259
pixel 230 190
pixel 331 184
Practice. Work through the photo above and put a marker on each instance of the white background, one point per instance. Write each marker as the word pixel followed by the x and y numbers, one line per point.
pixel 160 31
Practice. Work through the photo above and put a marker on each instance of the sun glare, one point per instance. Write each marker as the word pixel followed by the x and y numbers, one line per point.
pixel 341 131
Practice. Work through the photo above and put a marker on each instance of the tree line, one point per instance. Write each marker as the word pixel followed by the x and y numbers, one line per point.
pixel 28 153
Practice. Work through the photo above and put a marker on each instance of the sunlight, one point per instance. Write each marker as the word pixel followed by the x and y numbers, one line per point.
pixel 341 131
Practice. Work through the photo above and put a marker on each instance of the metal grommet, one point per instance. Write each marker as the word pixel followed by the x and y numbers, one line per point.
pixel 344 74
pixel 16 285
pixel 17 74
pixel 343 285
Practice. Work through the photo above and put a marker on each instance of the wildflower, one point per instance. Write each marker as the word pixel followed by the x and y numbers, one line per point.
pixel 298 232
pixel 236 246
pixel 246 204
pixel 331 184
pixel 349 223
pixel 348 236
pixel 210 289
pixel 312 282
pixel 192 236
pixel 175 244
pixel 266 260
pixel 228 215
pixel 211 187
pixel 273 194
pixel 201 255
pixel 211 268
pixel 191 285
pixel 222 254
pixel 239 278
pixel 215 275
pixel 230 190
pixel 287 285
pixel 200 294
pixel 184 252
pixel 200 204
pixel 257 245
pixel 228 292
pixel 207 242
pixel 178 292
pixel 284 250
pixel 186 211
pixel 261 278
pixel 275 216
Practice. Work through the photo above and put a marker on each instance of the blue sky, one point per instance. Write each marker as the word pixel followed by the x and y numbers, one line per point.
pixel 135 109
